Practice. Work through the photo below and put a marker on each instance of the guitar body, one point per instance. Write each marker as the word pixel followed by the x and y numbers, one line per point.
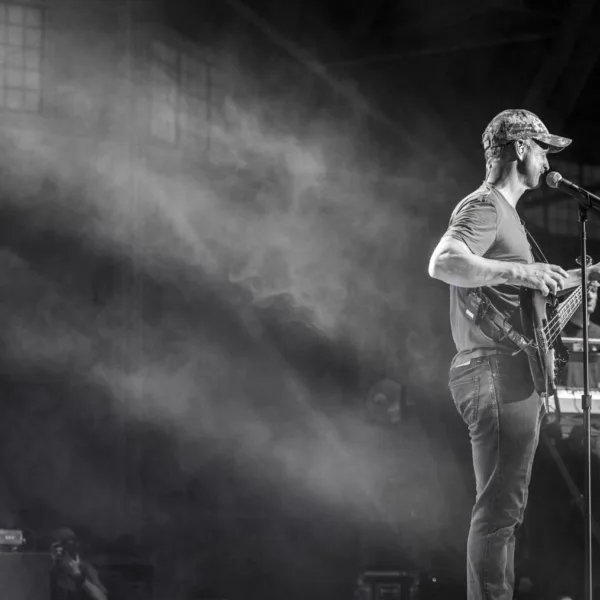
pixel 539 315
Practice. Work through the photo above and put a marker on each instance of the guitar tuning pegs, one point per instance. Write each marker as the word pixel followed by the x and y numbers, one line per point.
pixel 588 260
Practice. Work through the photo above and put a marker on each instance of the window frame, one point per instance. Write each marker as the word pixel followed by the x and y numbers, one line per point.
pixel 23 48
pixel 188 91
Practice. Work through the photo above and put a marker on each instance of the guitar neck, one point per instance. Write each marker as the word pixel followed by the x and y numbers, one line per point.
pixel 569 307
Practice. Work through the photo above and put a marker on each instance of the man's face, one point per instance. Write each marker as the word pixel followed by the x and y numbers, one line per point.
pixel 534 163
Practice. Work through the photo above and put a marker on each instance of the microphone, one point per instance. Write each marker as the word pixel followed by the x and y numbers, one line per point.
pixel 557 181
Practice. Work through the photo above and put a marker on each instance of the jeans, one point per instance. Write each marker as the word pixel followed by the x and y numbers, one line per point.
pixel 495 397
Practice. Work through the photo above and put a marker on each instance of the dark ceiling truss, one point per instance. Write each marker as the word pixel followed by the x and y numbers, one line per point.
pixel 568 28
pixel 456 18
pixel 565 71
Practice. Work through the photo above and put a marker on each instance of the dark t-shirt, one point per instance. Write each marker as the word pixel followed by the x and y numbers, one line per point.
pixel 491 228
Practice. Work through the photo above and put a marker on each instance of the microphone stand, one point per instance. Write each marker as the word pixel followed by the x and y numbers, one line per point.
pixel 586 405
pixel 586 201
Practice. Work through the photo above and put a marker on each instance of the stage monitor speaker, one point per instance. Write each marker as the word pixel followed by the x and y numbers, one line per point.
pixel 388 585
pixel 25 575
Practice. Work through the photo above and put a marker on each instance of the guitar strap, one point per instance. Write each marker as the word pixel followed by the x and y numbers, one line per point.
pixel 491 321
pixel 495 324
pixel 536 251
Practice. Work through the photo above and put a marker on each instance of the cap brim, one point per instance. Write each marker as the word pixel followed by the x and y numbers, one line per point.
pixel 555 142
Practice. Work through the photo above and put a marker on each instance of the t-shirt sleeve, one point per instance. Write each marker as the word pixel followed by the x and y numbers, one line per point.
pixel 475 225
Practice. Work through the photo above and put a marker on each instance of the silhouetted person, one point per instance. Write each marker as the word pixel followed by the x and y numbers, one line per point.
pixel 71 577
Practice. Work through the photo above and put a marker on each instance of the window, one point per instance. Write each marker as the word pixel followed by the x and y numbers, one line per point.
pixel 562 217
pixel 179 95
pixel 220 88
pixel 535 215
pixel 568 169
pixel 591 175
pixel 21 35
pixel 194 106
pixel 562 213
pixel 164 92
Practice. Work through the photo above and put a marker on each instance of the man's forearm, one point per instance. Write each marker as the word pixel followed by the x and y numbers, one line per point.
pixel 93 591
pixel 470 270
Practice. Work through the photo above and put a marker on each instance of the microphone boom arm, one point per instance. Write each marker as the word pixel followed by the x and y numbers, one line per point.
pixel 587 199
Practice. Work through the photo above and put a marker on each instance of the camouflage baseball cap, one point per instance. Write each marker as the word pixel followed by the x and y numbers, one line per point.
pixel 519 124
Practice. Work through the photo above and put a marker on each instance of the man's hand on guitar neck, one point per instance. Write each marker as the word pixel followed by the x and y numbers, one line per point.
pixel 557 284
pixel 547 278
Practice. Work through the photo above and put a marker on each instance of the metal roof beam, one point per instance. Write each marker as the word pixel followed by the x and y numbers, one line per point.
pixel 366 17
pixel 450 16
pixel 558 58
pixel 581 64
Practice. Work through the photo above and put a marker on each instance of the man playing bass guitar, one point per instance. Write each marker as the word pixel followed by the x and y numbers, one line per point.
pixel 486 246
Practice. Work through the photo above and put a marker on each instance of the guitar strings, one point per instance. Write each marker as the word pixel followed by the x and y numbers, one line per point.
pixel 552 330
pixel 555 325
pixel 571 303
pixel 559 321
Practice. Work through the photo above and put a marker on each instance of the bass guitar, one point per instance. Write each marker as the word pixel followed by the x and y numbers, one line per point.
pixel 543 318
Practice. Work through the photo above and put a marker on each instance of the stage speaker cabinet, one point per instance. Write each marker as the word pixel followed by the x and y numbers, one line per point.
pixel 388 585
pixel 25 575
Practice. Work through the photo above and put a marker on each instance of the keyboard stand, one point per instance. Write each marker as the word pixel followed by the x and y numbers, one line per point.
pixel 572 487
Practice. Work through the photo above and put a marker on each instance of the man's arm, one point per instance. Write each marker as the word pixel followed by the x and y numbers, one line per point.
pixel 453 262
pixel 92 584
pixel 94 591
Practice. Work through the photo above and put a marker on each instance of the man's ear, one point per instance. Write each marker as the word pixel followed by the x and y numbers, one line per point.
pixel 520 149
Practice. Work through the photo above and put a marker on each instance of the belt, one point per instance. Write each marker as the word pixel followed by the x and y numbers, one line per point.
pixel 479 359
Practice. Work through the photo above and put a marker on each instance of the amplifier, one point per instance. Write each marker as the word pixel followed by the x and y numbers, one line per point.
pixel 388 585
pixel 25 575
pixel 11 537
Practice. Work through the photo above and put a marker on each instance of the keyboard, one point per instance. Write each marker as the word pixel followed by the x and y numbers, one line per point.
pixel 570 401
